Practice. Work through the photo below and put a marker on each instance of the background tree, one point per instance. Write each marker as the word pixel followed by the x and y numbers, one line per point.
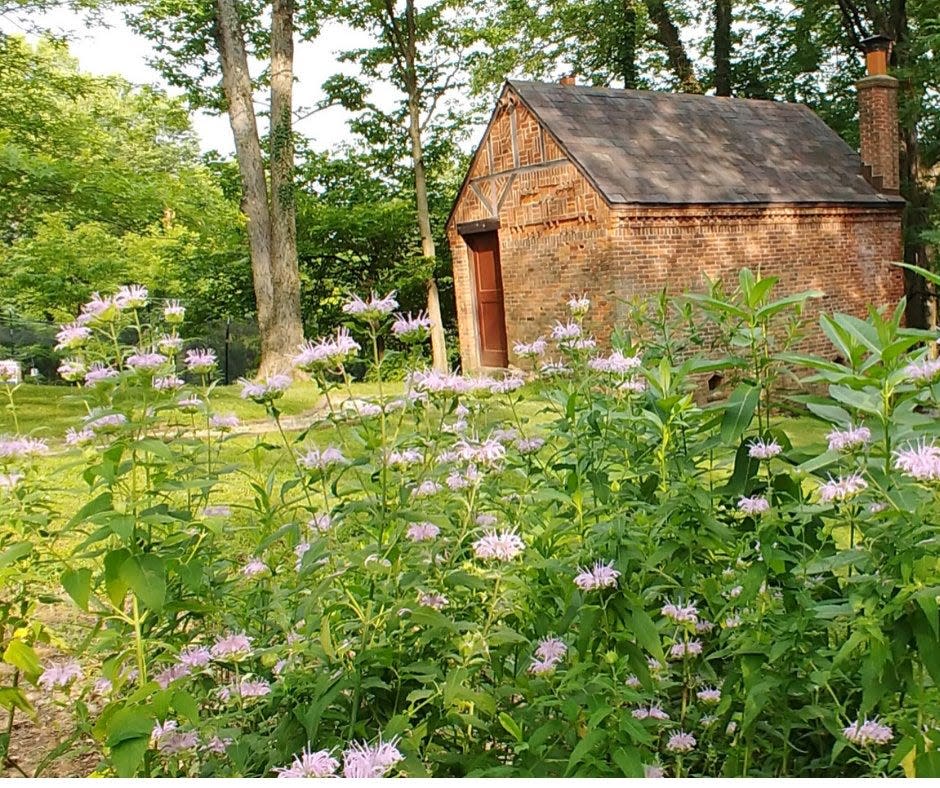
pixel 204 47
pixel 102 184
pixel 423 53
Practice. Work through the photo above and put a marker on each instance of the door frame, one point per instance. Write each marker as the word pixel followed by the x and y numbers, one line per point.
pixel 466 230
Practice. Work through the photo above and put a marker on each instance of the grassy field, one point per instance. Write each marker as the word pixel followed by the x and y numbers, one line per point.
pixel 48 411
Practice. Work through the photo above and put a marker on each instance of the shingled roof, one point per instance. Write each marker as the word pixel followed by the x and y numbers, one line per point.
pixel 640 146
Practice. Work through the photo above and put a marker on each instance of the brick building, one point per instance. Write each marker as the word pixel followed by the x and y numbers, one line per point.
pixel 615 193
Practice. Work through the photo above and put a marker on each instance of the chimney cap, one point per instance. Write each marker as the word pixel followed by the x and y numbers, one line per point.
pixel 876 43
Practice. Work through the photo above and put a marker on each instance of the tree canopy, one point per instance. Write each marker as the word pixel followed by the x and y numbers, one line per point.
pixel 103 184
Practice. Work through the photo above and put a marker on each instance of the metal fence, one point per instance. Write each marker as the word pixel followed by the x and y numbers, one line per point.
pixel 32 343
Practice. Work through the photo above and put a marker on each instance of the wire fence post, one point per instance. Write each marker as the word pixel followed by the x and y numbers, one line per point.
pixel 228 342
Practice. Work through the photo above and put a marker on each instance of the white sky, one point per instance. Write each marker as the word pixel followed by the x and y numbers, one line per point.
pixel 116 49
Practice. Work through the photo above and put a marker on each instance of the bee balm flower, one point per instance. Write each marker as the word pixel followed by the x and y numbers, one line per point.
pixel 868 733
pixel 500 546
pixel 310 764
pixel 599 576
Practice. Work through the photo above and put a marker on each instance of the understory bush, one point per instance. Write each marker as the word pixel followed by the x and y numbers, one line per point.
pixel 583 571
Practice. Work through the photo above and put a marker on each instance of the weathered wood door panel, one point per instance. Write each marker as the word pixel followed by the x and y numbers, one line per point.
pixel 491 317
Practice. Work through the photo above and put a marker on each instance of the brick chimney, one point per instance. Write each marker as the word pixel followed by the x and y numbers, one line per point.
pixel 568 80
pixel 878 117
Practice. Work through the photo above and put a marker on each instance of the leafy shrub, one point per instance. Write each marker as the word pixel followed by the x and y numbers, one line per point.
pixel 585 573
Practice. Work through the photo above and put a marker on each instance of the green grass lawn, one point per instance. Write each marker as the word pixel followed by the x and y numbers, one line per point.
pixel 48 411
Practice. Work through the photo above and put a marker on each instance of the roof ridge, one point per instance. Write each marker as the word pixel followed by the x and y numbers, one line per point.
pixel 600 89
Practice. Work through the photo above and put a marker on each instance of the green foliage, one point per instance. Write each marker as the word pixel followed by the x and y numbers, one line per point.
pixel 102 185
pixel 402 568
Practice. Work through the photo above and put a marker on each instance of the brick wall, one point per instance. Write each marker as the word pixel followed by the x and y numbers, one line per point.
pixel 878 129
pixel 558 237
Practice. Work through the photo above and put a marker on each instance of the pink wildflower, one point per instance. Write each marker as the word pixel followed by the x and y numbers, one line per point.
pixel 433 600
pixel 201 361
pixel 168 383
pixel 562 332
pixel 310 764
pixel 764 450
pixel 174 312
pixel 317 459
pixel 851 438
pixel 919 460
pixel 754 505
pixel 709 695
pixel 254 567
pixel 532 349
pixel 272 388
pixel 680 614
pixel 132 297
pixel 579 305
pixel 372 309
pixel 170 674
pixel 412 328
pixel 71 336
pixel 681 742
pixel 60 674
pixel 231 647
pixel 195 656
pixel 370 760
pixel 422 532
pixel 868 733
pixel 224 422
pixel 426 489
pixel 504 545
pixel 99 373
pixel 146 362
pixel 551 648
pixel 683 650
pixel 842 488
pixel 600 575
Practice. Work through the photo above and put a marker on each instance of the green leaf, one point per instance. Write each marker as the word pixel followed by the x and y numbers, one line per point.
pixel 629 762
pixel 583 748
pixel 927 764
pixel 95 506
pixel 129 754
pixel 155 447
pixel 22 656
pixel 326 639
pixel 15 698
pixel 510 726
pixel 646 634
pixel 146 576
pixel 860 400
pixel 777 306
pixel 186 706
pixel 128 723
pixel 114 582
pixel 14 553
pixel 77 584
pixel 739 412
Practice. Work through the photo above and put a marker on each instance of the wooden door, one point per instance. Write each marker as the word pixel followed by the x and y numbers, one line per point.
pixel 491 317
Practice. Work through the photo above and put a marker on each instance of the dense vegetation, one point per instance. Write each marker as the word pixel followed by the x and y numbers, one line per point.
pixel 591 573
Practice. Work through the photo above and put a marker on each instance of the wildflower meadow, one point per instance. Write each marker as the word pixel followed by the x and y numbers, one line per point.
pixel 590 568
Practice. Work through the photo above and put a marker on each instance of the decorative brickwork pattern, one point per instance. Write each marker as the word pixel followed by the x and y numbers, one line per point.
pixel 559 237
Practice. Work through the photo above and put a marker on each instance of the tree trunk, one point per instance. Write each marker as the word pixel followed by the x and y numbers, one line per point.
pixel 438 345
pixel 236 83
pixel 722 42
pixel 410 78
pixel 626 44
pixel 287 329
pixel 667 34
